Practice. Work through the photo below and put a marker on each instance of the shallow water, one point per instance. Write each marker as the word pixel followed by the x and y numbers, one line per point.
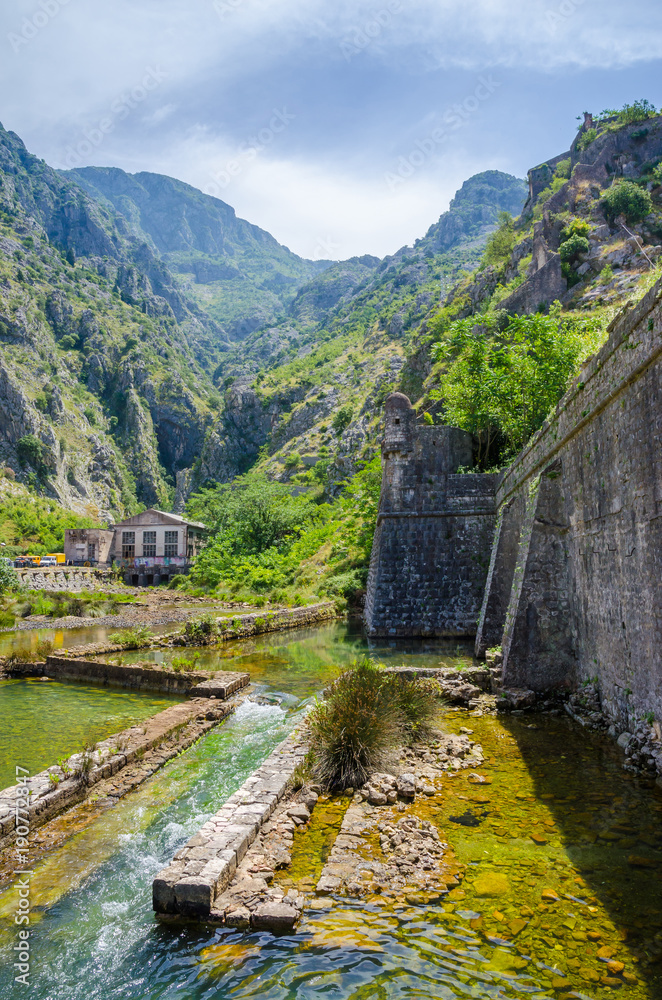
pixel 556 814
pixel 43 721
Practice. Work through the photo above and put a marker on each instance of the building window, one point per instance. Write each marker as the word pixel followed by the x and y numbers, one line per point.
pixel 128 544
pixel 91 550
pixel 171 543
pixel 149 543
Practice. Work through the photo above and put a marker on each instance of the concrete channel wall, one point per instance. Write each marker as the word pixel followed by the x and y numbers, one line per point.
pixel 204 867
pixel 50 792
pixel 199 683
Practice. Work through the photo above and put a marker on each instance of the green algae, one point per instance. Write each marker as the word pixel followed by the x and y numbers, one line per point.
pixel 45 721
pixel 313 842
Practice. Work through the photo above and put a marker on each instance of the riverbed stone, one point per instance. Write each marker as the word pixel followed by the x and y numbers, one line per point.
pixel 279 918
pixel 406 786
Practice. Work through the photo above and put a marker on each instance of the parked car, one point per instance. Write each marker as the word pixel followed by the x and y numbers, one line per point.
pixel 6 560
pixel 23 562
pixel 48 561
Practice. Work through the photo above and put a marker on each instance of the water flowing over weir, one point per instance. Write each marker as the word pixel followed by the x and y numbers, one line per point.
pixel 494 937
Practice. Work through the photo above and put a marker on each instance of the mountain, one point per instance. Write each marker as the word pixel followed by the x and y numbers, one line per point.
pixel 118 380
pixel 104 385
pixel 238 273
pixel 345 343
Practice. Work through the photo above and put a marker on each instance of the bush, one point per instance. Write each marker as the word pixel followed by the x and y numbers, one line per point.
pixel 587 138
pixel 200 631
pixel 139 635
pixel 573 248
pixel 9 580
pixel 357 729
pixel 628 199
pixel 501 242
pixel 342 419
pixel 30 451
pixel 563 168
pixel 368 713
pixel 186 663
pixel 419 702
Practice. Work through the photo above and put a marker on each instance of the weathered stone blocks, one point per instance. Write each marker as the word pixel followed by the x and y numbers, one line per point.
pixel 431 548
pixel 204 867
pixel 574 590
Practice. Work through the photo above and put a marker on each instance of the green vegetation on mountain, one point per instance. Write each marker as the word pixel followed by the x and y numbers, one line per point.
pixel 271 542
pixel 34 524
pixel 506 375
pixel 154 346
pixel 236 272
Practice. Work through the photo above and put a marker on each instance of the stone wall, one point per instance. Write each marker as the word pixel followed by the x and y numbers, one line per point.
pixel 141 676
pixel 204 866
pixel 434 530
pixel 573 589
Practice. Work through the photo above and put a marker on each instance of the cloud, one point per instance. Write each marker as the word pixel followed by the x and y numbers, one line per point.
pixel 366 86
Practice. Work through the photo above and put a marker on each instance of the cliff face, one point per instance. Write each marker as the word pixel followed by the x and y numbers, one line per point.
pixel 103 358
pixel 572 190
pixel 349 339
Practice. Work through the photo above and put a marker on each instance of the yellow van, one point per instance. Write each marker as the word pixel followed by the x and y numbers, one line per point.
pixel 59 557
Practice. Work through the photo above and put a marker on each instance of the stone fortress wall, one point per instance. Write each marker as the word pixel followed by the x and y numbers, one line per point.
pixel 434 531
pixel 573 592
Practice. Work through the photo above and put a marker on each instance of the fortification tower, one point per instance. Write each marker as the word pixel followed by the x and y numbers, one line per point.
pixel 434 530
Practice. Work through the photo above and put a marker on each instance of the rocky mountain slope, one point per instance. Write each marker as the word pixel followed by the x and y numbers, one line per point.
pixel 117 381
pixel 238 273
pixel 104 390
pixel 115 377
pixel 309 390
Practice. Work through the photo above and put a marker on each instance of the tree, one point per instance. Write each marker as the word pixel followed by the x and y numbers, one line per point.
pixel 573 248
pixel 500 386
pixel 501 242
pixel 30 451
pixel 342 419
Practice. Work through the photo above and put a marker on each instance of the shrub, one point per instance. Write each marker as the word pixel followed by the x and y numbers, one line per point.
pixel 44 648
pixel 368 713
pixel 139 635
pixel 501 242
pixel 30 451
pixel 563 168
pixel 419 702
pixel 628 199
pixel 200 631
pixel 573 248
pixel 587 138
pixel 186 663
pixel 501 384
pixel 357 729
pixel 342 419
pixel 9 580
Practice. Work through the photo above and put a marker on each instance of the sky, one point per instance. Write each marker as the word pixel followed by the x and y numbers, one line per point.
pixel 341 127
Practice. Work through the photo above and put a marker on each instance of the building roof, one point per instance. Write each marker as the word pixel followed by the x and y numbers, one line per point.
pixel 163 517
